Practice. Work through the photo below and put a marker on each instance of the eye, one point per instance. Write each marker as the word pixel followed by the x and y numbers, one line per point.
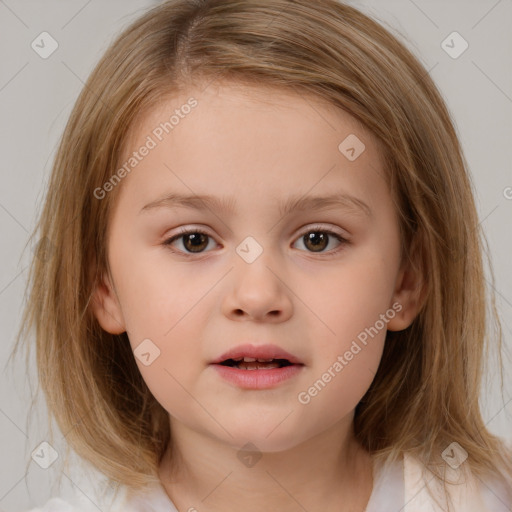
pixel 194 240
pixel 317 238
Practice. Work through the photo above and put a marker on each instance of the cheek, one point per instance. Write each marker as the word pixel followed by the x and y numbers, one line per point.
pixel 156 293
pixel 349 298
pixel 347 355
pixel 353 304
pixel 162 304
pixel 170 386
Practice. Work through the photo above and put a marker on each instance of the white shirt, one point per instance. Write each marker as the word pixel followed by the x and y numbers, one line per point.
pixel 397 488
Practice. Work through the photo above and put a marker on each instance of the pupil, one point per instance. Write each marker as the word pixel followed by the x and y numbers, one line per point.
pixel 316 237
pixel 197 239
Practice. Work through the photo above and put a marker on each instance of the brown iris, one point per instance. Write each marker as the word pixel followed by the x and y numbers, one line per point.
pixel 198 241
pixel 316 237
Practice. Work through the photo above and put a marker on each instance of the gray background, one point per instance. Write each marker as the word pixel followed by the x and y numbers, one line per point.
pixel 36 97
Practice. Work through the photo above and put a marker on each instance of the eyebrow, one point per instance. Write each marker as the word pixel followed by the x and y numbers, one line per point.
pixel 226 205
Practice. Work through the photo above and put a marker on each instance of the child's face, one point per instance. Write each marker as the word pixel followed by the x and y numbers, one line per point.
pixel 312 297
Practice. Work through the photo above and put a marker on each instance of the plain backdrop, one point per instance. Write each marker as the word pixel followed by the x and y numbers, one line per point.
pixel 36 97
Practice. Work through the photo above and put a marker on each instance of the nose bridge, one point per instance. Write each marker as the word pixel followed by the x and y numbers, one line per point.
pixel 256 287
pixel 255 259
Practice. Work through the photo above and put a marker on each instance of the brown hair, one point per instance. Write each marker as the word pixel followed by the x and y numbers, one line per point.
pixel 425 394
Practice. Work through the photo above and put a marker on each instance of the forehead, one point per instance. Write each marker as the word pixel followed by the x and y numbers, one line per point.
pixel 256 139
pixel 221 105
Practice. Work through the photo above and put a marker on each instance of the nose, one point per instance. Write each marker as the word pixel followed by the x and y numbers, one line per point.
pixel 257 293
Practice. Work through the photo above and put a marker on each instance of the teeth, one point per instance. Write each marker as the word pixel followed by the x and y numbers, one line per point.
pixel 252 365
pixel 252 360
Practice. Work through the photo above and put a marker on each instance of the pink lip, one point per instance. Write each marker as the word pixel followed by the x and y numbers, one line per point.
pixel 258 352
pixel 257 379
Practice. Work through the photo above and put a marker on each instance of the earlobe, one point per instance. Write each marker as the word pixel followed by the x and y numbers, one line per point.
pixel 409 296
pixel 106 308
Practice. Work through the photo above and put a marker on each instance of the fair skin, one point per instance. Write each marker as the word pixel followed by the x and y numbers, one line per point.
pixel 259 148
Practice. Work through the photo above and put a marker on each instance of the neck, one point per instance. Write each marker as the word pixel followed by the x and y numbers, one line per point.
pixel 330 472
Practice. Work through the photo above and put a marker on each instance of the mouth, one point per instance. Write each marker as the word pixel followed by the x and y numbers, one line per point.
pixel 257 367
pixel 250 356
pixel 251 363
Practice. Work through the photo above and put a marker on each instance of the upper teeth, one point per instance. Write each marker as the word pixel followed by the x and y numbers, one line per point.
pixel 252 360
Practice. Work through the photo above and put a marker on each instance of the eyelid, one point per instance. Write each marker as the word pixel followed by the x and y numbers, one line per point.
pixel 302 231
pixel 326 226
pixel 323 226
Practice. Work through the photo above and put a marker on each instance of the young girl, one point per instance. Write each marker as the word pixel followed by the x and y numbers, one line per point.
pixel 265 288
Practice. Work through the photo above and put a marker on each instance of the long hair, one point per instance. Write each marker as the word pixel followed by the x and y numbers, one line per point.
pixel 425 394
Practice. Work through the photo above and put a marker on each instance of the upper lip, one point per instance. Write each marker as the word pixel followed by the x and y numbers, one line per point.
pixel 267 351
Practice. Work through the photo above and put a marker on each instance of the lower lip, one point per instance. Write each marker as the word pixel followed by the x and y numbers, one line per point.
pixel 257 379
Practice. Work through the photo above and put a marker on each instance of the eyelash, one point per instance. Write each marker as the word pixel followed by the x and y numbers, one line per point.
pixel 317 229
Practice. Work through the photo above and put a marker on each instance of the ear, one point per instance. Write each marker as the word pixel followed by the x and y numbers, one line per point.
pixel 408 298
pixel 106 307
